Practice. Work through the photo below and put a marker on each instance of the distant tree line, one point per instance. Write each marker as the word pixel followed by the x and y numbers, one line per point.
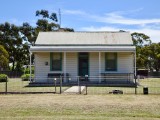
pixel 148 53
pixel 16 40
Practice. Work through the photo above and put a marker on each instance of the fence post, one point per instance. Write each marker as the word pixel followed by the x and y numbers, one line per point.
pixel 55 80
pixel 79 87
pixel 60 84
pixel 6 85
pixel 86 89
pixel 135 84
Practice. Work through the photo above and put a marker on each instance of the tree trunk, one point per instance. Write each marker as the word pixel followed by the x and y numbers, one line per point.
pixel 157 69
pixel 13 65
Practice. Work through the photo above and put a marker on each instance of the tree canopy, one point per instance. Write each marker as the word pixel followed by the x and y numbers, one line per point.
pixel 148 53
pixel 3 57
pixel 17 39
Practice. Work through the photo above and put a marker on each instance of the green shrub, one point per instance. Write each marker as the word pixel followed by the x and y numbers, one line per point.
pixel 26 77
pixel 27 70
pixel 3 77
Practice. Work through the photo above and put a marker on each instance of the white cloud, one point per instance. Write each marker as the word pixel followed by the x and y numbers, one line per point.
pixel 148 26
pixel 134 11
pixel 92 28
pixel 154 34
pixel 73 12
pixel 115 18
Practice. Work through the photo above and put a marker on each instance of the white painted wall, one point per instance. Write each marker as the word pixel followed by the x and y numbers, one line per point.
pixel 41 70
pixel 72 65
pixel 125 64
pixel 93 65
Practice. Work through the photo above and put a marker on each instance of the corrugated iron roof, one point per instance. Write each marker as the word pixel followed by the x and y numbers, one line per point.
pixel 84 38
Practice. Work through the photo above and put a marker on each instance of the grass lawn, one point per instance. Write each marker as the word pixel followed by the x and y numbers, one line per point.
pixel 71 107
pixel 153 85
pixel 150 82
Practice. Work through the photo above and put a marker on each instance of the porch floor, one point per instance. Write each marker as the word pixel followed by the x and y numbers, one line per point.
pixel 88 83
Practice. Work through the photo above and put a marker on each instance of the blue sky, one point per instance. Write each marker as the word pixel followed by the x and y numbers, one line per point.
pixel 90 15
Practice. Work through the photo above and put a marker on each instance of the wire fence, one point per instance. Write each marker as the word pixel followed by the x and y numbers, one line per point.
pixel 94 85
pixel 147 85
pixel 12 74
pixel 18 86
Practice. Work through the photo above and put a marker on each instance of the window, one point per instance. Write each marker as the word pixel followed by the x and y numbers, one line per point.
pixel 110 61
pixel 56 61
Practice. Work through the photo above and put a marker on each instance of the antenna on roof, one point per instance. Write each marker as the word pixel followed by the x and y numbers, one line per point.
pixel 59 17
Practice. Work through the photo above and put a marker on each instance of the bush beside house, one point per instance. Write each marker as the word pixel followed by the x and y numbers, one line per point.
pixel 26 77
pixel 3 77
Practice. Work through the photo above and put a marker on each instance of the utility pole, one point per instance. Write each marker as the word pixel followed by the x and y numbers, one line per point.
pixel 59 18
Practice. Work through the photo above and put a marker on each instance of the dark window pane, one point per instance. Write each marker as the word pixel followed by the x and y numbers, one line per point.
pixel 111 62
pixel 56 65
pixel 57 62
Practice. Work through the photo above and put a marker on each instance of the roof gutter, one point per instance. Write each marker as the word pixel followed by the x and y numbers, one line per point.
pixel 82 48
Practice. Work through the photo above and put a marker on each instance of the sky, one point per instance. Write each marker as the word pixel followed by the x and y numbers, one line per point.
pixel 141 16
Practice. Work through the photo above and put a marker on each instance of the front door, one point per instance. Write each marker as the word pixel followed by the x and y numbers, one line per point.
pixel 83 65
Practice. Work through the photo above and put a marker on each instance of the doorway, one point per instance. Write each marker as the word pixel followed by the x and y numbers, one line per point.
pixel 83 64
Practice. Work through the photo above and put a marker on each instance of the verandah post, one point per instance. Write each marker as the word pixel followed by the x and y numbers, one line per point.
pixel 99 67
pixel 64 66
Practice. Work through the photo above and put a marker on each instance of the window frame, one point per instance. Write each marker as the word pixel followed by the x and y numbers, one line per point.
pixel 115 62
pixel 51 61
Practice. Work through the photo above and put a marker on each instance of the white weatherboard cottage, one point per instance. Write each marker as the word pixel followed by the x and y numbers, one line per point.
pixel 95 54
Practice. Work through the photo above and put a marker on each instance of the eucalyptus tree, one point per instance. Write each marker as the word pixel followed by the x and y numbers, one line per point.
pixel 141 40
pixel 154 53
pixel 47 22
pixel 3 57
pixel 18 39
pixel 12 41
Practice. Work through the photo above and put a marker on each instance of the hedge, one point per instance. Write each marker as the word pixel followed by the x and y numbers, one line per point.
pixel 27 71
pixel 3 77
pixel 26 77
